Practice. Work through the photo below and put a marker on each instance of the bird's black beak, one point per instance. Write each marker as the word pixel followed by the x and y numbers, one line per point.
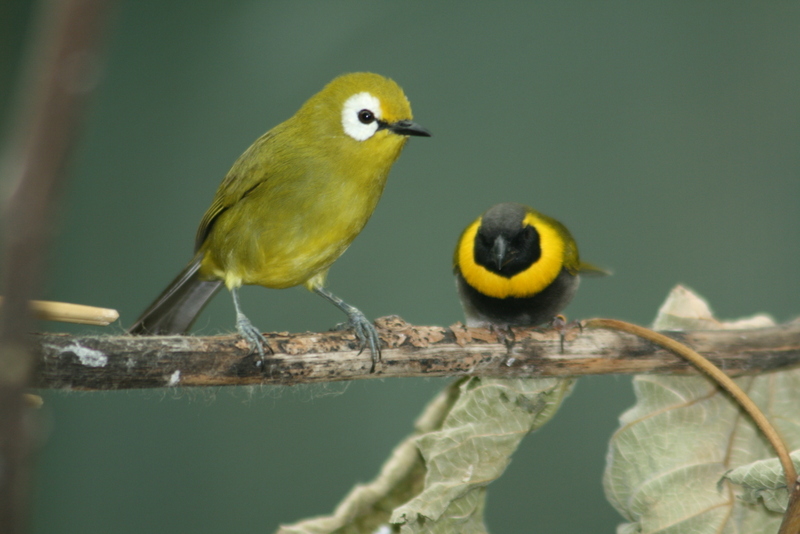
pixel 406 127
pixel 499 251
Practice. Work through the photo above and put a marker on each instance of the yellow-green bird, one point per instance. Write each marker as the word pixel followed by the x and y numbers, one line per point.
pixel 293 203
pixel 516 267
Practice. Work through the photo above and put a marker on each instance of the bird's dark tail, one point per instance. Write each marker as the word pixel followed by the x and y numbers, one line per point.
pixel 174 311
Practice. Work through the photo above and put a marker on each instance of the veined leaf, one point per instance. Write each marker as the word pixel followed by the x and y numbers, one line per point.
pixel 473 447
pixel 666 463
pixel 764 479
pixel 435 480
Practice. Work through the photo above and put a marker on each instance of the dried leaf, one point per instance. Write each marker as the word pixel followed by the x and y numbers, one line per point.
pixel 665 463
pixel 473 447
pixel 764 479
pixel 435 480
pixel 367 507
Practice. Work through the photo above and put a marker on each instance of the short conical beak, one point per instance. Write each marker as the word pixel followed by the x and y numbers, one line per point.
pixel 499 250
pixel 406 127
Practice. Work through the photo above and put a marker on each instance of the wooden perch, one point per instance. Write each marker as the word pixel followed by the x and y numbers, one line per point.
pixel 125 362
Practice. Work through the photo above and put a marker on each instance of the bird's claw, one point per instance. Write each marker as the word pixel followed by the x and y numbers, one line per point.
pixel 505 335
pixel 367 336
pixel 254 338
pixel 560 325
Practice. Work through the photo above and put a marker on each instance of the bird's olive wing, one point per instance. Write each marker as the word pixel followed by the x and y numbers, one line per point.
pixel 248 172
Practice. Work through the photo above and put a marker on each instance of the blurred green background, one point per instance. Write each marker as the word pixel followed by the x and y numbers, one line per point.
pixel 665 135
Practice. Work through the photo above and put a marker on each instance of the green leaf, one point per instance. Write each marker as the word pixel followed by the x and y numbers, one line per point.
pixel 666 463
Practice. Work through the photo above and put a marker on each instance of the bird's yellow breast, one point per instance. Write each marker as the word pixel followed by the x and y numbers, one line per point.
pixel 526 283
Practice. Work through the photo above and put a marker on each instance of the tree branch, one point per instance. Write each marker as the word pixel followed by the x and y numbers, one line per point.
pixel 126 362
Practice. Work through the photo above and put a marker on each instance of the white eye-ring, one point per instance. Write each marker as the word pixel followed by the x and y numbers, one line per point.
pixel 360 115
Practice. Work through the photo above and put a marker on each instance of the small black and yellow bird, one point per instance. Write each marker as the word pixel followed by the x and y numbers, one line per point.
pixel 292 203
pixel 516 267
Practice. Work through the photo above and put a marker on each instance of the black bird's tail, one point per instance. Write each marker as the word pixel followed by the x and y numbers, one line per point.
pixel 174 311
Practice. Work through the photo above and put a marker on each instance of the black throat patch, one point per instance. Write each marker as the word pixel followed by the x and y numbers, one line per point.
pixel 522 247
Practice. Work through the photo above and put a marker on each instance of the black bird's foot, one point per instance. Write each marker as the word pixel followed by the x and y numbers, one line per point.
pixel 505 335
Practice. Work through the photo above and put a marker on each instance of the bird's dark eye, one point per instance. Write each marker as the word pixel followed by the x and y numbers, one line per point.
pixel 486 240
pixel 366 116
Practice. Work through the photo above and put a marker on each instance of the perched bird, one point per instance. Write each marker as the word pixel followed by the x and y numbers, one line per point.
pixel 293 203
pixel 516 267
